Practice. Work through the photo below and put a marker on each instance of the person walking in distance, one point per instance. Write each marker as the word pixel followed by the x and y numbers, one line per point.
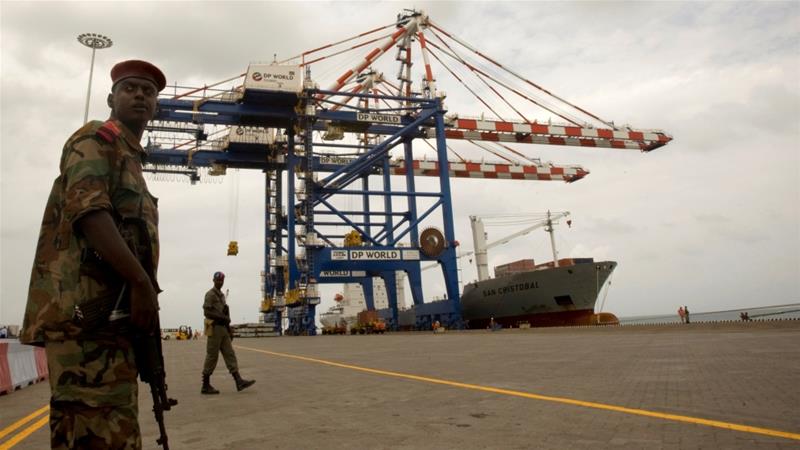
pixel 682 314
pixel 98 249
pixel 686 313
pixel 219 337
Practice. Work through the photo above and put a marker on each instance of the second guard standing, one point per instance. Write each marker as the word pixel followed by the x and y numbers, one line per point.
pixel 219 337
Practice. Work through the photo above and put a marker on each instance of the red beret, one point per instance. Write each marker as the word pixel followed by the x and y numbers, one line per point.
pixel 138 69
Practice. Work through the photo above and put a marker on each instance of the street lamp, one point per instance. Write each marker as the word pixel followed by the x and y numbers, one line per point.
pixel 93 41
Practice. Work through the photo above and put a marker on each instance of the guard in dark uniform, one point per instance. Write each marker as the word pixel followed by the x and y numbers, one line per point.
pixel 219 337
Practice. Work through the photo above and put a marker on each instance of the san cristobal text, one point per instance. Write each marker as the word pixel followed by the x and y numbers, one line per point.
pixel 511 288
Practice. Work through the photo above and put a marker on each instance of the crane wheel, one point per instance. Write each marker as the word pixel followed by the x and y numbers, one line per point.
pixel 431 242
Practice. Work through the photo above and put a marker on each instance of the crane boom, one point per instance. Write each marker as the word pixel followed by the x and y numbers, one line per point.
pixel 538 133
pixel 474 169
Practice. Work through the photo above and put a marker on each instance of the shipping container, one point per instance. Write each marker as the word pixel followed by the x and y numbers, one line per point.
pixel 522 265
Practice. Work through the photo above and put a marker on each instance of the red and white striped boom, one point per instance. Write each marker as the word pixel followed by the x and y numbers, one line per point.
pixel 470 169
pixel 537 133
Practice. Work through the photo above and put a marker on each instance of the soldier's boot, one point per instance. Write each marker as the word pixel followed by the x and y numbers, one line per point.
pixel 207 387
pixel 241 383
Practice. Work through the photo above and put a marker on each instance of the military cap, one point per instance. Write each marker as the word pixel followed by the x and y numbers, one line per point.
pixel 219 276
pixel 138 69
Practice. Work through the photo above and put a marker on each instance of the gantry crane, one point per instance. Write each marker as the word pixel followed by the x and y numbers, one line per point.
pixel 328 163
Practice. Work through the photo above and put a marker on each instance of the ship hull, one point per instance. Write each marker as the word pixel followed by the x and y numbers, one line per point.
pixel 558 296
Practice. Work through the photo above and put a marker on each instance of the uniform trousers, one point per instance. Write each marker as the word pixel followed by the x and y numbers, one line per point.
pixel 219 342
pixel 93 403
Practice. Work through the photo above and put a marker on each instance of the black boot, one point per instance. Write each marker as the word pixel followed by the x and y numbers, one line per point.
pixel 207 387
pixel 241 383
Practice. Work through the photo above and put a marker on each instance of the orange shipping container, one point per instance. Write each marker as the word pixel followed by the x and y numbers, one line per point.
pixel 514 267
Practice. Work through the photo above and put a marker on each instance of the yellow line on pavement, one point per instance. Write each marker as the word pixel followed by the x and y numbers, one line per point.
pixel 23 421
pixel 24 433
pixel 569 401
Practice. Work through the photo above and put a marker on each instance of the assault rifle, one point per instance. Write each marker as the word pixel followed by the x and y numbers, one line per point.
pixel 150 361
pixel 147 347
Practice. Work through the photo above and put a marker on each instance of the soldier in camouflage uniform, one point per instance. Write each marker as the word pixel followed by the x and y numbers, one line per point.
pixel 98 240
pixel 219 337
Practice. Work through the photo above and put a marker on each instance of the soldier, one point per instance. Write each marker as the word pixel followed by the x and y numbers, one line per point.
pixel 98 244
pixel 219 337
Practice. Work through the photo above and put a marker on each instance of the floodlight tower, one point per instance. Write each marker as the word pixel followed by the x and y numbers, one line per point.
pixel 95 42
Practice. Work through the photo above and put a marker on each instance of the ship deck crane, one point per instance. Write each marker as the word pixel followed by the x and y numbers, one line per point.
pixel 479 240
pixel 308 171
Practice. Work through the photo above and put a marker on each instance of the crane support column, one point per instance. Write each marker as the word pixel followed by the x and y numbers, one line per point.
pixel 390 281
pixel 369 293
pixel 415 281
pixel 410 187
pixel 448 258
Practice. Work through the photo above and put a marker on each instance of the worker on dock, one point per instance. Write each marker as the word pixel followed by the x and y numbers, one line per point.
pixel 98 244
pixel 219 337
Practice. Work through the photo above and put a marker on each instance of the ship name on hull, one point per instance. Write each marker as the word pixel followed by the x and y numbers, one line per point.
pixel 511 289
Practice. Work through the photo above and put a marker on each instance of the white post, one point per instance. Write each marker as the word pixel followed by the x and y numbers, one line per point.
pixel 549 229
pixel 479 242
pixel 93 41
pixel 89 89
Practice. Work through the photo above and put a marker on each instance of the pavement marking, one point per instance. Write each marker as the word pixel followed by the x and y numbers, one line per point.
pixel 27 431
pixel 568 401
pixel 23 421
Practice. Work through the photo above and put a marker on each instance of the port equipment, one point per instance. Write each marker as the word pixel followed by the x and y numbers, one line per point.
pixel 329 157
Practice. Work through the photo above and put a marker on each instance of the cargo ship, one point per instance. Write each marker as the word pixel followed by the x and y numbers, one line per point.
pixel 539 295
pixel 561 292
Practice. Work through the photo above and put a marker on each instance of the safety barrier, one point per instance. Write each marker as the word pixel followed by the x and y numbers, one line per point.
pixel 20 365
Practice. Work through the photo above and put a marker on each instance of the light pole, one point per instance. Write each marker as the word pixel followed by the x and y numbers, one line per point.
pixel 93 41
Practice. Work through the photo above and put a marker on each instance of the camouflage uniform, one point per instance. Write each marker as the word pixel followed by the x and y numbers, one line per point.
pixel 92 372
pixel 219 339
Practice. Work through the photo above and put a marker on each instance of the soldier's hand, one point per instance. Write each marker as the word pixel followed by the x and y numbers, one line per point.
pixel 144 307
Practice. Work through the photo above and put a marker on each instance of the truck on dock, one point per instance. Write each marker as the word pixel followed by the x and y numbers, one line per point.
pixel 368 322
pixel 339 327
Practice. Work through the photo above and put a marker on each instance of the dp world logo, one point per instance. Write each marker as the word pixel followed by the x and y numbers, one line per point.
pixel 257 76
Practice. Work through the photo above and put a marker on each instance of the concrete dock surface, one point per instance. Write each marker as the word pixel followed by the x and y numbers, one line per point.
pixel 696 386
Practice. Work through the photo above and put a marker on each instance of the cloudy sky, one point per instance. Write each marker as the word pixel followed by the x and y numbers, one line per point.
pixel 711 221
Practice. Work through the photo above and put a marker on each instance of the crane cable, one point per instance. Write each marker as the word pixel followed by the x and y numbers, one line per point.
pixel 459 79
pixel 450 149
pixel 233 207
pixel 366 33
pixel 482 79
pixel 548 106
pixel 539 103
pixel 607 123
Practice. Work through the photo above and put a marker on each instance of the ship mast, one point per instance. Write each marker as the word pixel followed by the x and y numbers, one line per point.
pixel 479 242
pixel 481 247
pixel 549 229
